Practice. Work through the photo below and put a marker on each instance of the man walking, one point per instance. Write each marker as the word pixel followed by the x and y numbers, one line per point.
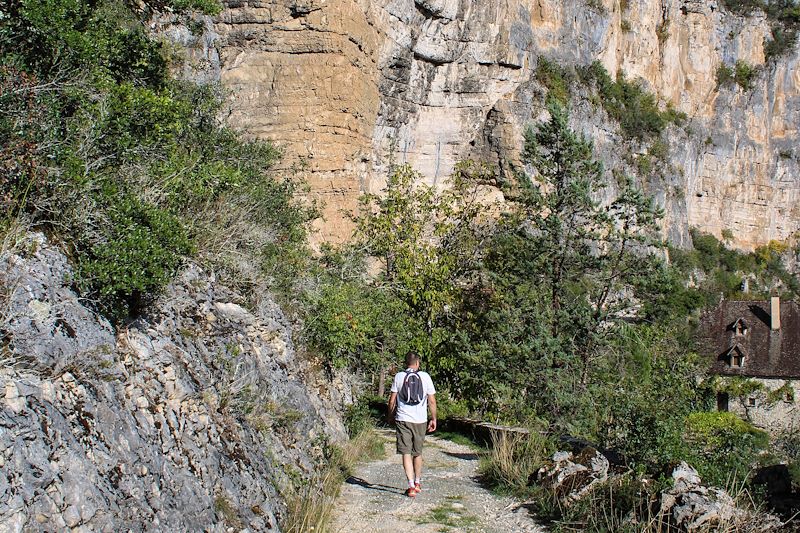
pixel 412 394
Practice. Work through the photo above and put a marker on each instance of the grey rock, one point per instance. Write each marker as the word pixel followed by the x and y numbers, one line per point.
pixel 156 428
pixel 578 474
pixel 693 507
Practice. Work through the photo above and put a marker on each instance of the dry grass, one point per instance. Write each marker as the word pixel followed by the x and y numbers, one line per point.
pixel 12 241
pixel 514 458
pixel 310 508
pixel 628 504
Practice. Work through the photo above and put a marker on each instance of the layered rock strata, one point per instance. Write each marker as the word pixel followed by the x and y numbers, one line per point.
pixel 348 87
pixel 190 420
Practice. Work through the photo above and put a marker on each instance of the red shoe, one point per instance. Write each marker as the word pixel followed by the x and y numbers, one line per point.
pixel 411 492
pixel 418 487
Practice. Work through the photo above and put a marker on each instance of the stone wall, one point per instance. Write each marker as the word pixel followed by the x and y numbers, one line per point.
pixel 193 419
pixel 349 87
pixel 776 414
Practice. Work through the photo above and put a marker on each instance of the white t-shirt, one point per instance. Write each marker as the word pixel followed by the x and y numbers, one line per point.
pixel 416 414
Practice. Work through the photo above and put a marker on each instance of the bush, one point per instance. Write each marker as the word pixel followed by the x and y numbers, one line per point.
pixel 725 75
pixel 360 417
pixel 628 103
pixel 129 168
pixel 141 250
pixel 744 75
pixel 721 445
pixel 208 7
pixel 783 41
pixel 557 79
pixel 743 7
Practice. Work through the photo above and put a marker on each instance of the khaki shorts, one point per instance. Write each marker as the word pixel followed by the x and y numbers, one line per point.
pixel 411 437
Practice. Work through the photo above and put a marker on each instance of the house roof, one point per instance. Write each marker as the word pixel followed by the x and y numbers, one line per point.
pixel 768 354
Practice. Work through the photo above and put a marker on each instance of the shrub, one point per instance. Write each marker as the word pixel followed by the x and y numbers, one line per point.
pixel 359 417
pixel 725 75
pixel 208 7
pixel 141 249
pixel 782 42
pixel 21 171
pixel 556 78
pixel 128 167
pixel 744 75
pixel 628 103
pixel 743 7
pixel 720 444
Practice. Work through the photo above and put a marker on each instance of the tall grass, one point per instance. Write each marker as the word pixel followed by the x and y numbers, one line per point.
pixel 13 233
pixel 310 507
pixel 514 458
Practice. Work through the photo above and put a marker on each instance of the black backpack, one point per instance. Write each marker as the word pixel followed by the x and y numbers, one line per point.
pixel 412 392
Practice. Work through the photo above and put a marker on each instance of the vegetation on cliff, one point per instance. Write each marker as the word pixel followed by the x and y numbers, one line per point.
pixel 129 167
pixel 784 16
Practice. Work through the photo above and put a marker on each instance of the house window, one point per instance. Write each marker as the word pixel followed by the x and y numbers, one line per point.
pixel 737 360
pixel 751 402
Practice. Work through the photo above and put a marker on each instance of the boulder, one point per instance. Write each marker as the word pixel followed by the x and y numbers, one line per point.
pixel 692 506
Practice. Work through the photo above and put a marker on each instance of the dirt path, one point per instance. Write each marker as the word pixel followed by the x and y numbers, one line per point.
pixel 452 499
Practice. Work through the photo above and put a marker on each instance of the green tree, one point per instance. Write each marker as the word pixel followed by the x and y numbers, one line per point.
pixel 589 257
pixel 424 240
pixel 564 271
pixel 361 327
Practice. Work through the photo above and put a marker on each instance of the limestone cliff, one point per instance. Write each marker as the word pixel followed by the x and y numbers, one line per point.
pixel 192 419
pixel 348 86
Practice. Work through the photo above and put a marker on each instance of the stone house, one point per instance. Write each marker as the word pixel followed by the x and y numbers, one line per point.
pixel 755 351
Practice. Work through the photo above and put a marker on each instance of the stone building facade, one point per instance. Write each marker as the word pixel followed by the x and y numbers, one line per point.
pixel 755 351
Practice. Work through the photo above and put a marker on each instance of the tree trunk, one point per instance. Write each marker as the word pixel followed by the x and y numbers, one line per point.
pixel 382 382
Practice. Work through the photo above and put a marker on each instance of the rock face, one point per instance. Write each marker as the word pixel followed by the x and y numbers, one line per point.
pixel 190 420
pixel 349 87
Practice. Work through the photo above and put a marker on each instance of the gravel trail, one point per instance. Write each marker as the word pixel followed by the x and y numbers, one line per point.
pixel 452 499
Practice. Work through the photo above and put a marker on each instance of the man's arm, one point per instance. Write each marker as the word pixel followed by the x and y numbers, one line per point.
pixel 392 406
pixel 432 406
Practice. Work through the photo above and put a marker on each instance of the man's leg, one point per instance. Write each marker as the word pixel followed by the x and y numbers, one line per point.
pixel 405 448
pixel 419 441
pixel 409 465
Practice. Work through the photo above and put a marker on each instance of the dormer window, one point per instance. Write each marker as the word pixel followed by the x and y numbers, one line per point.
pixel 736 357
pixel 740 327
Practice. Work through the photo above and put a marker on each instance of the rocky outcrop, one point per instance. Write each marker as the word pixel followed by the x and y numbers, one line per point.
pixel 693 507
pixel 349 87
pixel 687 505
pixel 195 418
pixel 571 477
